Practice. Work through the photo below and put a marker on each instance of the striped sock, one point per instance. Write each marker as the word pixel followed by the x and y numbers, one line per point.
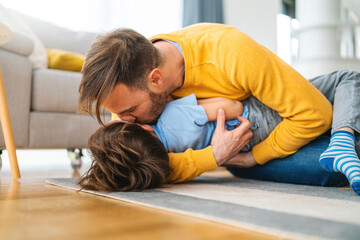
pixel 341 156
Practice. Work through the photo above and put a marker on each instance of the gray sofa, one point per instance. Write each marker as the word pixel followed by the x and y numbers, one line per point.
pixel 43 103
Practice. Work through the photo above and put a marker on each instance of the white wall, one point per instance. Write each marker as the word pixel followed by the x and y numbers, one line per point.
pixel 147 17
pixel 257 18
pixel 321 35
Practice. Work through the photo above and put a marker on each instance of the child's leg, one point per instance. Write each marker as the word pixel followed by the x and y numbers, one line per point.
pixel 343 90
pixel 341 156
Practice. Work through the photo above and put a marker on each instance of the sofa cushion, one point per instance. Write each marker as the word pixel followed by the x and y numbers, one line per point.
pixel 20 44
pixel 53 36
pixel 60 130
pixel 64 60
pixel 55 91
pixel 38 57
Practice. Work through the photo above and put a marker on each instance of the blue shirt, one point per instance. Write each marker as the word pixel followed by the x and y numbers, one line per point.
pixel 184 124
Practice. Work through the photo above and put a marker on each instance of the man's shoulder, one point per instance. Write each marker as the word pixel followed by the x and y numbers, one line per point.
pixel 208 25
pixel 197 29
pixel 206 28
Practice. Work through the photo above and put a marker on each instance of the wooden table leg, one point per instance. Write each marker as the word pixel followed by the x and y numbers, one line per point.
pixel 8 134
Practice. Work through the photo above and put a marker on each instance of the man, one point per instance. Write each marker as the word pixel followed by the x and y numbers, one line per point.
pixel 133 77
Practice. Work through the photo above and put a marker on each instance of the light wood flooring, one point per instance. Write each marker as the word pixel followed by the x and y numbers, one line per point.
pixel 32 209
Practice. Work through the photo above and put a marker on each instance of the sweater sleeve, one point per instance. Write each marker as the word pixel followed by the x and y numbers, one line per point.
pixel 257 71
pixel 190 164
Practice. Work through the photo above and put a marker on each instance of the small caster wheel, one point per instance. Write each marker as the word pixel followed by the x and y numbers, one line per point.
pixel 75 156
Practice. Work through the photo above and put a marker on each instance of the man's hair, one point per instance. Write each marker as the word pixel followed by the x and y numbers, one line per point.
pixel 121 56
pixel 125 157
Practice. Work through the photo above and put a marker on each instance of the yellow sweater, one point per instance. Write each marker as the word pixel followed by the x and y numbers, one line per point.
pixel 221 61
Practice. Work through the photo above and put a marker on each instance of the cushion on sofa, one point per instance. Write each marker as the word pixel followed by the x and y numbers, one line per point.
pixel 53 36
pixel 62 129
pixel 55 91
pixel 64 60
pixel 20 44
pixel 38 57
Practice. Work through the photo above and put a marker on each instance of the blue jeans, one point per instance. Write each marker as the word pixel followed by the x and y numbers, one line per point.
pixel 342 89
pixel 300 168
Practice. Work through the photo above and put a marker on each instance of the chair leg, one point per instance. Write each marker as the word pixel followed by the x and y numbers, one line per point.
pixel 75 156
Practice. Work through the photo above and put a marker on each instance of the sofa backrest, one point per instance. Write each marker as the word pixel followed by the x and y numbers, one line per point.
pixel 53 36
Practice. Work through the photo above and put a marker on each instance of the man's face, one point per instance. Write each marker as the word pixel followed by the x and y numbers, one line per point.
pixel 135 105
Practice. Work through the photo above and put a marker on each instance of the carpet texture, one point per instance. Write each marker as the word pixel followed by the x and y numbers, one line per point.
pixel 284 210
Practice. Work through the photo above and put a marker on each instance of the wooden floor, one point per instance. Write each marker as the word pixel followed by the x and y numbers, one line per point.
pixel 31 209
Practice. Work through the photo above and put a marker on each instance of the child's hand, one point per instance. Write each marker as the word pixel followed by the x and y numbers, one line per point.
pixel 242 160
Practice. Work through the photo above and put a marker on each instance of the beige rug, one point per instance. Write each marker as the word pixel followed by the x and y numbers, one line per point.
pixel 284 210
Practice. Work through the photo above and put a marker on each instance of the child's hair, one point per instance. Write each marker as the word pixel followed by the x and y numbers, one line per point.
pixel 125 157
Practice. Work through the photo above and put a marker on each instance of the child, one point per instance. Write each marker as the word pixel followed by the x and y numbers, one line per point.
pixel 125 157
pixel 130 156
pixel 341 88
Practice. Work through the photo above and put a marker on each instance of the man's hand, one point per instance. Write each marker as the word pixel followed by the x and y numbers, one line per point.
pixel 227 144
pixel 242 160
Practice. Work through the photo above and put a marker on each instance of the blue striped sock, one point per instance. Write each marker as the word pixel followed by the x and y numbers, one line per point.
pixel 341 156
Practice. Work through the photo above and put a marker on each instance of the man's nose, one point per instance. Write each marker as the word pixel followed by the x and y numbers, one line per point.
pixel 127 118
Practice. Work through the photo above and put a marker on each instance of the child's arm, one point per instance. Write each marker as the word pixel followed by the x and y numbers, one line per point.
pixel 232 108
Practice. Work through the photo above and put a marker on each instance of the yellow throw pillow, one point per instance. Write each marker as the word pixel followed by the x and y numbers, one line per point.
pixel 114 116
pixel 63 60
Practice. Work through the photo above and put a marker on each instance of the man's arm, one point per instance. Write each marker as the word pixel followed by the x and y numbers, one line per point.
pixel 255 70
pixel 192 163
pixel 226 145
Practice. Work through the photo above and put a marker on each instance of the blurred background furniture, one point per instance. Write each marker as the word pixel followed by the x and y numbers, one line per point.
pixel 43 102
pixel 5 36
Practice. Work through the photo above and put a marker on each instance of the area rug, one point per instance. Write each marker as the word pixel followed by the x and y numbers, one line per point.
pixel 284 210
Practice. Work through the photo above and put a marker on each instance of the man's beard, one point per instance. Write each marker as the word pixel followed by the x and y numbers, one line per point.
pixel 158 102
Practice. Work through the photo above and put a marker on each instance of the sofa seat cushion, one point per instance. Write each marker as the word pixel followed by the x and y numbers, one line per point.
pixel 60 130
pixel 55 91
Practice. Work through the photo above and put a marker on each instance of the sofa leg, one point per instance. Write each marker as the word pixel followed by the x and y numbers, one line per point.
pixel 75 156
pixel 1 151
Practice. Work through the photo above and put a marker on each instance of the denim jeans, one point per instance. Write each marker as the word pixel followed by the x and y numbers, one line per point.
pixel 342 89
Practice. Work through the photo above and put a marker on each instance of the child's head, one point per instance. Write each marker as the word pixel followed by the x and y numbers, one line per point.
pixel 125 157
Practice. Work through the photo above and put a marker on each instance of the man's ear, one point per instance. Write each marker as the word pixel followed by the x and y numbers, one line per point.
pixel 155 80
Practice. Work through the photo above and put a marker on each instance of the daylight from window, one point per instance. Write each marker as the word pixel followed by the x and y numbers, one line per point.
pixel 147 17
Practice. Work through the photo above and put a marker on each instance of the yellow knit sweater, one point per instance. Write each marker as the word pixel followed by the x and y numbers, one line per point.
pixel 221 61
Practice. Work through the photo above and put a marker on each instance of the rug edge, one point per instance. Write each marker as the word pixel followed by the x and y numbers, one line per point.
pixel 216 220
